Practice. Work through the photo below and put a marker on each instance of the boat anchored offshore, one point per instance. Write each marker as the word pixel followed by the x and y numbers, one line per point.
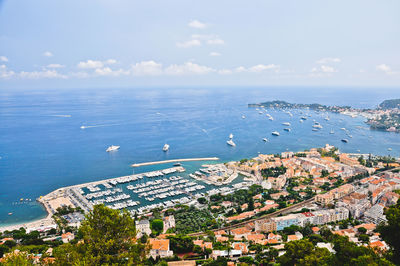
pixel 286 124
pixel 231 136
pixel 265 139
pixel 287 129
pixel 275 133
pixel 166 147
pixel 345 140
pixel 112 148
pixel 231 143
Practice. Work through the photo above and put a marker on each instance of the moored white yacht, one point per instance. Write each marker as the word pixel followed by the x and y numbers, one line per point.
pixel 275 133
pixel 112 148
pixel 166 147
pixel 231 143
pixel 286 124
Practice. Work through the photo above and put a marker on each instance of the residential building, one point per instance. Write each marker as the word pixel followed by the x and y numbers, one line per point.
pixel 142 227
pixel 160 248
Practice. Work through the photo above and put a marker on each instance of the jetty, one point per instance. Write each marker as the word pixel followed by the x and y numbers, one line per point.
pixel 175 161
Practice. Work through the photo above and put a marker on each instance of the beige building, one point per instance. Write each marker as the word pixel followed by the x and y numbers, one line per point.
pixel 265 225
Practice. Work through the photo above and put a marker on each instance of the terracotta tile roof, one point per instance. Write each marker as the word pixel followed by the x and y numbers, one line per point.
pixel 254 237
pixel 366 226
pixel 160 244
pixel 220 232
pixel 240 231
pixel 292 237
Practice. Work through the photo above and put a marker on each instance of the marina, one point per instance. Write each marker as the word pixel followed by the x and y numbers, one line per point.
pixel 138 192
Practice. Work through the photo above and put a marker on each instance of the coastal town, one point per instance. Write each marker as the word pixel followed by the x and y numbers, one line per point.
pixel 385 117
pixel 280 198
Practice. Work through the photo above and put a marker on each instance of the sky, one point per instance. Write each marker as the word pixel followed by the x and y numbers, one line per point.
pixel 128 43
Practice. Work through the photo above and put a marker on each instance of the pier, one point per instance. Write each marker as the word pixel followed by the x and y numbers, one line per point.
pixel 175 161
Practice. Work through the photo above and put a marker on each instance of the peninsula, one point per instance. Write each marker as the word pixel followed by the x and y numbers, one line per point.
pixel 385 117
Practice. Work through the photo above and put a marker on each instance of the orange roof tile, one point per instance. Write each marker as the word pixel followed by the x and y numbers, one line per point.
pixel 160 244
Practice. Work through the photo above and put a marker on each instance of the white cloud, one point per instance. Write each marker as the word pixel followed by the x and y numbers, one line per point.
pixel 260 68
pixel 96 63
pixel 90 64
pixel 327 60
pixel 197 24
pixel 203 36
pixel 216 41
pixel 328 69
pixel 5 73
pixel 147 68
pixel 107 71
pixel 188 44
pixel 257 68
pixel 41 74
pixel 3 59
pixel 48 54
pixel 384 68
pixel 225 72
pixel 240 69
pixel 215 54
pixel 323 69
pixel 110 62
pixel 55 66
pixel 188 68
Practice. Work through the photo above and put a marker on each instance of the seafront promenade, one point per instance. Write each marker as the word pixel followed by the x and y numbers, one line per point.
pixel 175 161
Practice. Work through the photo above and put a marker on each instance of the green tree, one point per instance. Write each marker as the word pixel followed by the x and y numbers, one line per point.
pixel 108 238
pixel 202 200
pixel 295 251
pixel 157 225
pixel 391 231
pixel 20 259
pixel 181 243
pixel 363 238
pixel 362 230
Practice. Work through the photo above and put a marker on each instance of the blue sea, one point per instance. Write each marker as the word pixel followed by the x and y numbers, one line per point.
pixel 42 146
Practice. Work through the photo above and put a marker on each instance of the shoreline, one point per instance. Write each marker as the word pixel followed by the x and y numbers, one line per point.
pixel 60 192
pixel 175 160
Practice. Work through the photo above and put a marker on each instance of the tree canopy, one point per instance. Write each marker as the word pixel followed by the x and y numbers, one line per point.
pixel 108 237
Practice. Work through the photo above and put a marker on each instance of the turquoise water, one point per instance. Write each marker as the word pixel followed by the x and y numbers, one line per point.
pixel 42 146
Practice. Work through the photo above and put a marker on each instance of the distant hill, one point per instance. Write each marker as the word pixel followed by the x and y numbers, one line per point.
pixel 390 104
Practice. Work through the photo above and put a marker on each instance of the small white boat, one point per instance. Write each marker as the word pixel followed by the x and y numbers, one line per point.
pixel 389 149
pixel 243 116
pixel 317 126
pixel 287 129
pixel 166 147
pixel 112 148
pixel 231 143
pixel 275 133
pixel 286 124
pixel 345 140
pixel 265 139
pixel 231 136
pixel 332 132
pixel 83 127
